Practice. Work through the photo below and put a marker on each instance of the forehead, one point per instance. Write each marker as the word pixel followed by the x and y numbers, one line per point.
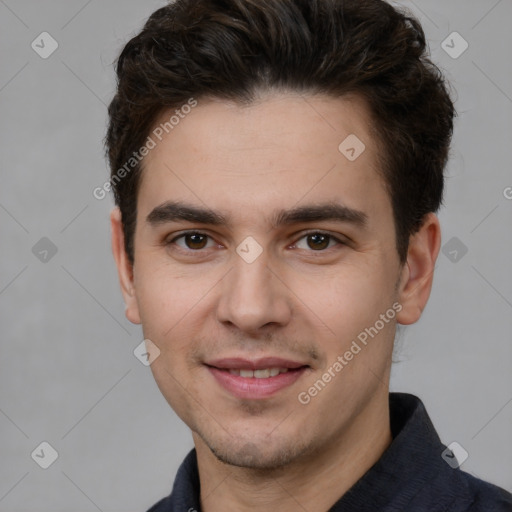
pixel 276 152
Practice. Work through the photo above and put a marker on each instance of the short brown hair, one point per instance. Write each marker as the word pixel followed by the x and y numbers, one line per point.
pixel 230 49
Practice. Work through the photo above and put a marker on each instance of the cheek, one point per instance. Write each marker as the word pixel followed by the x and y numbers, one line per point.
pixel 345 301
pixel 166 297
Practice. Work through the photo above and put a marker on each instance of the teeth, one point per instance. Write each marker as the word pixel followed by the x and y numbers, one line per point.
pixel 258 374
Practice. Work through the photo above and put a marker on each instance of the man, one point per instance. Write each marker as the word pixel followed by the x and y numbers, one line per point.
pixel 277 166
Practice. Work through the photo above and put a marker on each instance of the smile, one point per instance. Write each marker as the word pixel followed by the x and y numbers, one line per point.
pixel 258 374
pixel 257 379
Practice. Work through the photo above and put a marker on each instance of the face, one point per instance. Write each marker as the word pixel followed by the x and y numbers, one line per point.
pixel 263 255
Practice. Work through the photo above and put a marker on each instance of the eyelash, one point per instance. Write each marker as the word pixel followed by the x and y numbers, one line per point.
pixel 185 233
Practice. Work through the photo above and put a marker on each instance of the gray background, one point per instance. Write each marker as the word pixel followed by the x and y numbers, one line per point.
pixel 68 374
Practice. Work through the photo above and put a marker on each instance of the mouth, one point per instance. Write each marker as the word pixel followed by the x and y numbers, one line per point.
pixel 256 379
pixel 264 373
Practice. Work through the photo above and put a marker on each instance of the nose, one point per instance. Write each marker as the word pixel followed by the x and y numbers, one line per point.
pixel 254 296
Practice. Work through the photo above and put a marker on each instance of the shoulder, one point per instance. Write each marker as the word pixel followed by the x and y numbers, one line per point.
pixel 163 505
pixel 486 497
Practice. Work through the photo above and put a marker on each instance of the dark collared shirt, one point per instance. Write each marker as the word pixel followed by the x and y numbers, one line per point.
pixel 411 476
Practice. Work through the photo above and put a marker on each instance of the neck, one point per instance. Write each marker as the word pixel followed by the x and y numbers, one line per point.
pixel 314 483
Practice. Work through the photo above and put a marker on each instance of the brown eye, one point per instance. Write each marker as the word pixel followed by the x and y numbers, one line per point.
pixel 192 241
pixel 196 241
pixel 318 241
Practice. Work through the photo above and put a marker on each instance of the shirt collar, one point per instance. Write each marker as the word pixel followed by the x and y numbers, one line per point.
pixel 411 463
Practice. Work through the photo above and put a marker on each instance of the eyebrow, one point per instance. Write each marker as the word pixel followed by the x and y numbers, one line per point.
pixel 172 211
pixel 321 212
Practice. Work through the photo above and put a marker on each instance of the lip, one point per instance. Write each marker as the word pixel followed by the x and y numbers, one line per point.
pixel 251 388
pixel 228 363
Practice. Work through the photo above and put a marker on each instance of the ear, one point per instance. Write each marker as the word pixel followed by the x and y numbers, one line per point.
pixel 124 267
pixel 418 271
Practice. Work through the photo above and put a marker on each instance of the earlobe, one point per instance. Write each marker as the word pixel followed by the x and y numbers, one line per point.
pixel 418 271
pixel 124 267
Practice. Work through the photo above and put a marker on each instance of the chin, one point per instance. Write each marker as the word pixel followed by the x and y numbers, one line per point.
pixel 261 455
